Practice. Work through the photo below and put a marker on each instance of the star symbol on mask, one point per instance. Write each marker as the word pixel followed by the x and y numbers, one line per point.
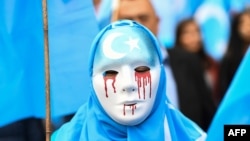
pixel 133 43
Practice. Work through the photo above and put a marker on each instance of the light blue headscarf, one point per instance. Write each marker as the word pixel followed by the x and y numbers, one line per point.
pixel 91 123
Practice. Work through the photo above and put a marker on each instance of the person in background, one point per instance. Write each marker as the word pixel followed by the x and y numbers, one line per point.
pixel 188 37
pixel 239 41
pixel 128 86
pixel 186 86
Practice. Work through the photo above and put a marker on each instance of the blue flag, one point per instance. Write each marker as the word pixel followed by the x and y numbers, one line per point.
pixel 72 26
pixel 234 108
pixel 22 83
pixel 214 20
pixel 237 6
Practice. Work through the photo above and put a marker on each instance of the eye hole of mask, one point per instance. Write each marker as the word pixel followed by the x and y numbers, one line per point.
pixel 110 73
pixel 142 69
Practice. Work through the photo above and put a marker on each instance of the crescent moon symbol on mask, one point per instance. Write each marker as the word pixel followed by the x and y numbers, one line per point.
pixel 107 47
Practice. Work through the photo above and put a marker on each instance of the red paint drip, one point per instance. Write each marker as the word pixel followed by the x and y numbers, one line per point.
pixel 124 113
pixel 143 78
pixel 105 78
pixel 133 107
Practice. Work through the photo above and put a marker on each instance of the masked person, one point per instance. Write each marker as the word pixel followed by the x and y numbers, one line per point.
pixel 128 92
pixel 186 87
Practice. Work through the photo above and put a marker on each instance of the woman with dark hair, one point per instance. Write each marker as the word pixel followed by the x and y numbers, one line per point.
pixel 188 37
pixel 238 43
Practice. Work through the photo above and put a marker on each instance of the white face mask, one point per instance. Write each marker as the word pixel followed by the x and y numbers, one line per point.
pixel 126 75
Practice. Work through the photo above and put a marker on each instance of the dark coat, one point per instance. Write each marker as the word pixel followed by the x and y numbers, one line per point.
pixel 31 129
pixel 195 98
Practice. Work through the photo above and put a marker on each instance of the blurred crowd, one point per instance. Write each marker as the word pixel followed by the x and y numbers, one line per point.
pixel 196 80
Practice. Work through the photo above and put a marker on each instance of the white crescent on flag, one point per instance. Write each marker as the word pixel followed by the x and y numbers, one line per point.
pixel 107 47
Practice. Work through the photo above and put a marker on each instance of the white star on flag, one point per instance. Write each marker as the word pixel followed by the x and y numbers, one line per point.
pixel 133 43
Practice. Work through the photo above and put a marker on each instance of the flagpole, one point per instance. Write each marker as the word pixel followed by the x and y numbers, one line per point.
pixel 47 71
